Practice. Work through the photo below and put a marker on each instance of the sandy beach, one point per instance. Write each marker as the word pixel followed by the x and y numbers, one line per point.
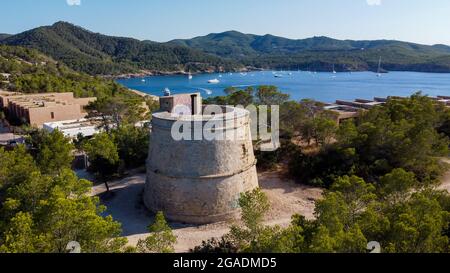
pixel 142 94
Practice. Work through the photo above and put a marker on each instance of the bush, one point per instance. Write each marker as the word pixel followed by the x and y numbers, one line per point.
pixel 322 169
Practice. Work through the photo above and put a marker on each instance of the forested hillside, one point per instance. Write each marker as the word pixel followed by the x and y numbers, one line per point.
pixel 98 54
pixel 4 36
pixel 321 53
pixel 32 72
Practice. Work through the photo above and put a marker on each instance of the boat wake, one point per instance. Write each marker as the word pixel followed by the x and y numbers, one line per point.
pixel 207 91
pixel 244 85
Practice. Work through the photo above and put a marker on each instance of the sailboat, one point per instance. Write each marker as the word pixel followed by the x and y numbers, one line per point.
pixel 334 70
pixel 190 76
pixel 379 68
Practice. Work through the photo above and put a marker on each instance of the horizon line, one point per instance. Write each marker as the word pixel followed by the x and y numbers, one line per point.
pixel 231 30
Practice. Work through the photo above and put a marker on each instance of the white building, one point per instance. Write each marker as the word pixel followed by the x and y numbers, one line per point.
pixel 73 128
pixel 85 127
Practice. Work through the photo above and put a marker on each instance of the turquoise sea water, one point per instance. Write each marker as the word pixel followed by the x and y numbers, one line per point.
pixel 326 87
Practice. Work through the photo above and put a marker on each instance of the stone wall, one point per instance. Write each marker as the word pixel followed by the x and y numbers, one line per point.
pixel 199 181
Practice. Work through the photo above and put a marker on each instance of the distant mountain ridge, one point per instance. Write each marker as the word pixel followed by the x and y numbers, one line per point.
pixel 4 36
pixel 321 53
pixel 222 43
pixel 95 53
pixel 99 54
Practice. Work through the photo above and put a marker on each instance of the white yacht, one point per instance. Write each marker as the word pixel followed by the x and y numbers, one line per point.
pixel 214 81
pixel 167 92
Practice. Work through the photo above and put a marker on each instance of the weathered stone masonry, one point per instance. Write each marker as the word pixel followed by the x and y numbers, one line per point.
pixel 199 181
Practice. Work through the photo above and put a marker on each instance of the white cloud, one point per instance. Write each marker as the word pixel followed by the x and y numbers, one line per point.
pixel 73 2
pixel 374 2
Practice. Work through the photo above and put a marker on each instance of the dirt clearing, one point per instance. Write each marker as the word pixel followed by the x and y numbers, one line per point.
pixel 126 206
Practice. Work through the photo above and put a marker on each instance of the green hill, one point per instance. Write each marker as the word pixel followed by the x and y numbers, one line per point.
pixel 321 53
pixel 4 36
pixel 32 72
pixel 99 54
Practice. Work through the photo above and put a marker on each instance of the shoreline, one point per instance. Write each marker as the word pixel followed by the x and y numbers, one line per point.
pixel 143 94
pixel 146 73
pixel 247 70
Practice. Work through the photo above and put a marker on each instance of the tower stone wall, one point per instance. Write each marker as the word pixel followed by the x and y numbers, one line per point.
pixel 200 181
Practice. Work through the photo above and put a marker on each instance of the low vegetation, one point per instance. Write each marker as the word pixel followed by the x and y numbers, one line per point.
pixel 400 213
pixel 161 238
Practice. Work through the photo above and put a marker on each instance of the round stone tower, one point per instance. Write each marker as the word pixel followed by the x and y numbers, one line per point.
pixel 197 180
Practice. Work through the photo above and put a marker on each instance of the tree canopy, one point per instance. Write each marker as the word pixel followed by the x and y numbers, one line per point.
pixel 380 172
pixel 403 133
pixel 43 212
pixel 161 238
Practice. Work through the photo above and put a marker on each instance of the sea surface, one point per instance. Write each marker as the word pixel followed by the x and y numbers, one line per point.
pixel 325 87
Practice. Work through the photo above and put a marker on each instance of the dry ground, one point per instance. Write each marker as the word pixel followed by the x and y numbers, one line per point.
pixel 446 178
pixel 286 197
pixel 125 205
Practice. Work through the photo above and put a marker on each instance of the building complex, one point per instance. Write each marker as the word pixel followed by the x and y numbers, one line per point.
pixel 37 109
pixel 352 109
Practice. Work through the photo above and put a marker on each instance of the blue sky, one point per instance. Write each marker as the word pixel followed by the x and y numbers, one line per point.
pixel 422 21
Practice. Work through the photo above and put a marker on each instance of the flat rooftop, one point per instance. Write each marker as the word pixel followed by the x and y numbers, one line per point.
pixel 39 100
pixel 74 124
